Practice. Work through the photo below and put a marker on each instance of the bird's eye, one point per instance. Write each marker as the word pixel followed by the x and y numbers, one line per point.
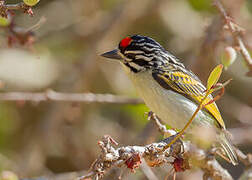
pixel 125 42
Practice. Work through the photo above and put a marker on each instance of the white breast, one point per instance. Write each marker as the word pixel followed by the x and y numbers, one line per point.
pixel 173 108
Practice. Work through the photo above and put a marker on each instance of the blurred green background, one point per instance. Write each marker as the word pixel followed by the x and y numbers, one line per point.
pixel 50 137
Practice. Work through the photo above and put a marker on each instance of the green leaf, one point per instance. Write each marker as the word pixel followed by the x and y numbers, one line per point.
pixel 214 76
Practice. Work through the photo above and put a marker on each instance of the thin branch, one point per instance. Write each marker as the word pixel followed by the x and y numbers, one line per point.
pixel 51 95
pixel 88 175
pixel 161 128
pixel 17 6
pixel 147 171
pixel 4 8
pixel 245 159
pixel 236 33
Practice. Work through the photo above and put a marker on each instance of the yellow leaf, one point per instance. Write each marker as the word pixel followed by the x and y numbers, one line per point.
pixel 214 76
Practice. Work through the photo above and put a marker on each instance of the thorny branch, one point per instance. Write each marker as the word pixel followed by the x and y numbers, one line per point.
pixel 236 33
pixel 155 154
pixel 68 97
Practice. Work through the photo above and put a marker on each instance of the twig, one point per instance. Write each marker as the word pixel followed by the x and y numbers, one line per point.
pixel 68 97
pixel 235 31
pixel 147 171
pixel 4 8
pixel 245 159
pixel 17 6
pixel 88 175
pixel 162 128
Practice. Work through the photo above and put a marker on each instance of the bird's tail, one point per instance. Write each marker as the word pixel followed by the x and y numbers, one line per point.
pixel 228 147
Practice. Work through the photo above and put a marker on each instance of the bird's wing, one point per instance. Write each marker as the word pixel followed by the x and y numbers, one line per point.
pixel 187 84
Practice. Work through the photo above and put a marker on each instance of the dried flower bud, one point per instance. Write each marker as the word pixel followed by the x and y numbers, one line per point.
pixel 228 57
pixel 133 162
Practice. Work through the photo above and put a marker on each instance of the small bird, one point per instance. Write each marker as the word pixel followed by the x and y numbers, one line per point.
pixel 169 89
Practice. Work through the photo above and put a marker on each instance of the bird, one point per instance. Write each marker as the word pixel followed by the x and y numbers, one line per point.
pixel 169 89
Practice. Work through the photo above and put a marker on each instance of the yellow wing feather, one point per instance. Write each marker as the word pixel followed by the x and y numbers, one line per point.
pixel 186 84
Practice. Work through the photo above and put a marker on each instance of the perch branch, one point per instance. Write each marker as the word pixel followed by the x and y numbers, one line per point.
pixel 155 154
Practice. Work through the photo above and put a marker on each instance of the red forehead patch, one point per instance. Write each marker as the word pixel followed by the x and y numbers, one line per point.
pixel 125 42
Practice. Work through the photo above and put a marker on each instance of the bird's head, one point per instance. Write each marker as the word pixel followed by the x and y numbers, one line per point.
pixel 139 53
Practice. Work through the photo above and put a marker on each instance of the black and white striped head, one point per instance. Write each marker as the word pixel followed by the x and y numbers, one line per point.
pixel 140 53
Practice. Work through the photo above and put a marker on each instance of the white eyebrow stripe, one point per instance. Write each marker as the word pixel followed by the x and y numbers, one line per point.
pixel 143 57
pixel 133 52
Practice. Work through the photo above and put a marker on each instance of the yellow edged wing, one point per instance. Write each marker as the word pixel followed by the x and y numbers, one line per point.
pixel 192 87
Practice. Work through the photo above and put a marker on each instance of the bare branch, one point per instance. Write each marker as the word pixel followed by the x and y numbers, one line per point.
pixel 245 159
pixel 155 154
pixel 162 128
pixel 147 171
pixel 68 97
pixel 236 33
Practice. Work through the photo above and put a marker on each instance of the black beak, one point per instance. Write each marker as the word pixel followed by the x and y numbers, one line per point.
pixel 112 54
